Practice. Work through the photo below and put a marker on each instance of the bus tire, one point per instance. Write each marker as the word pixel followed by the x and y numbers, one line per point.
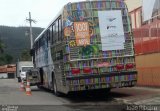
pixel 39 86
pixel 102 92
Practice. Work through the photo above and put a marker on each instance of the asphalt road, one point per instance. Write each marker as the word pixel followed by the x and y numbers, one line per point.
pixel 12 99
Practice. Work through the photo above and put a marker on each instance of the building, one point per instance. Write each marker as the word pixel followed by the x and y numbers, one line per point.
pixel 147 43
pixel 134 7
pixel 7 71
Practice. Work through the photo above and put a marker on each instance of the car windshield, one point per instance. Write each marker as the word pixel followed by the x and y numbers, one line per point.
pixel 24 69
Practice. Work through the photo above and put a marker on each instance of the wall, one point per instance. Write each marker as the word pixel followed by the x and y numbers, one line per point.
pixel 148 67
pixel 3 75
pixel 133 4
pixel 147 45
pixel 148 60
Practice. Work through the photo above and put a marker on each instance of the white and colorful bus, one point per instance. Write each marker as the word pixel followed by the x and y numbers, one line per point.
pixel 88 46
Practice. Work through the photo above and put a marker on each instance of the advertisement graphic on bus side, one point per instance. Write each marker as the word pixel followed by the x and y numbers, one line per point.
pixel 82 33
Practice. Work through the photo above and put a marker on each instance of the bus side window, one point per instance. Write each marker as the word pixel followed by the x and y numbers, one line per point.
pixel 48 36
pixel 59 29
pixel 56 31
pixel 38 42
pixel 50 39
pixel 36 47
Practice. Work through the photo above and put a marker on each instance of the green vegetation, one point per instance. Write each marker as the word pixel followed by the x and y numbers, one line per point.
pixel 25 55
pixel 15 43
pixel 5 59
pixel 1 46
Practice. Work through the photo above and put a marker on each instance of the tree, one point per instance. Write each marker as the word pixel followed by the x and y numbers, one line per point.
pixel 5 59
pixel 1 47
pixel 8 58
pixel 25 55
pixel 15 39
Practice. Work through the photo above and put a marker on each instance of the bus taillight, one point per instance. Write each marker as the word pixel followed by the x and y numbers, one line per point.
pixel 87 70
pixel 75 71
pixel 119 66
pixel 129 66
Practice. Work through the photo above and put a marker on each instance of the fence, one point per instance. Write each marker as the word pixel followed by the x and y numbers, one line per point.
pixel 146 40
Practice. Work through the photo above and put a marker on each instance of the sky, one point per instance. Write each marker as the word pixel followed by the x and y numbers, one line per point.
pixel 15 12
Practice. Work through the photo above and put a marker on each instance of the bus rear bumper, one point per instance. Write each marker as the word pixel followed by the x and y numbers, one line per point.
pixel 102 81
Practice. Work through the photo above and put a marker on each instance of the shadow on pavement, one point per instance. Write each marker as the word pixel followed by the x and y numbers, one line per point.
pixel 87 96
pixel 94 96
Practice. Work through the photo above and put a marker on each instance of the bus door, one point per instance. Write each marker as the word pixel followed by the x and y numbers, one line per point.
pixel 57 57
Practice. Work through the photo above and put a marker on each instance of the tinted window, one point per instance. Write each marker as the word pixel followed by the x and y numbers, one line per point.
pixel 24 69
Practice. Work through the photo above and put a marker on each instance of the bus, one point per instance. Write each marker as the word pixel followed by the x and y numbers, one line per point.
pixel 89 46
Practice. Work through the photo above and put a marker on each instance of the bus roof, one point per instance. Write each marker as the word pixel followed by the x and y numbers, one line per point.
pixel 54 20
pixel 60 12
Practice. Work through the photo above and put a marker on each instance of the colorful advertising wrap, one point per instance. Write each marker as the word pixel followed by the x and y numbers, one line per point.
pixel 67 31
pixel 111 30
pixel 82 33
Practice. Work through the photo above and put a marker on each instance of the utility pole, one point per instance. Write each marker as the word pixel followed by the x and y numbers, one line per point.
pixel 30 33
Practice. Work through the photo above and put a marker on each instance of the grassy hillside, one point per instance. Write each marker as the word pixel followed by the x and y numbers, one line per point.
pixel 16 40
